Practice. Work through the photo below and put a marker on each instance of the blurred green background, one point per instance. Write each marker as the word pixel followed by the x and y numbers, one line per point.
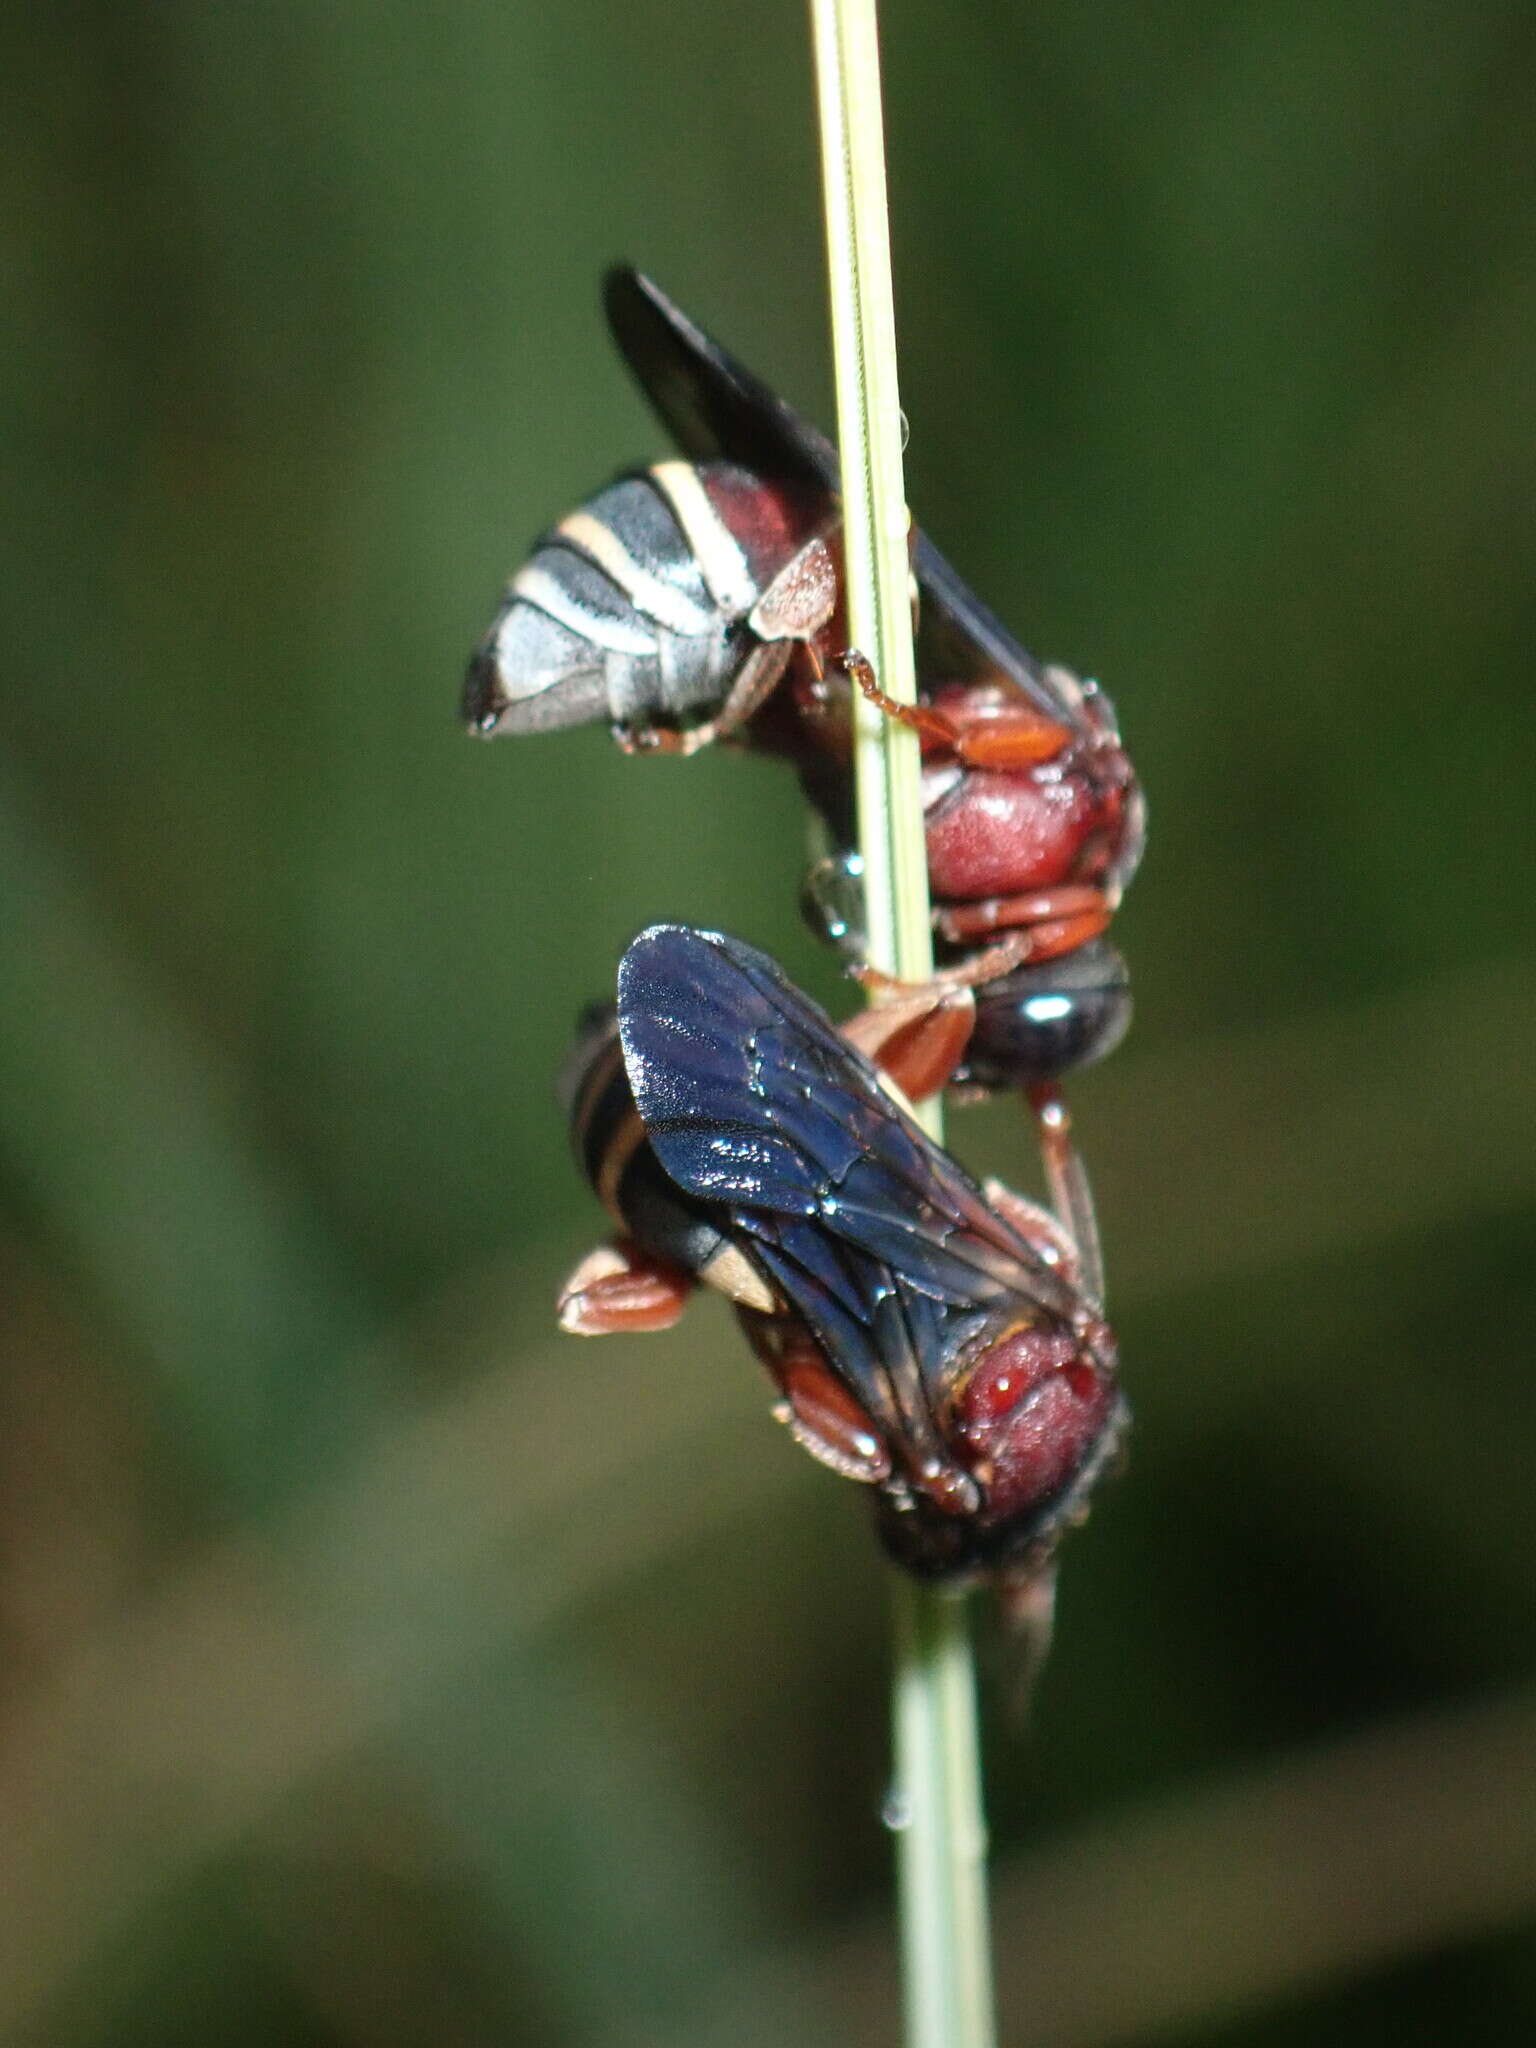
pixel 378 1669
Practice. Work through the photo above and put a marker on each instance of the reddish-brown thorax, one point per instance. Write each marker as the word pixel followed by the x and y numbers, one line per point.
pixel 1001 831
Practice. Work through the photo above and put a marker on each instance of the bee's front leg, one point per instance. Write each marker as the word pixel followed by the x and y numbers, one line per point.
pixel 917 1037
pixel 620 1288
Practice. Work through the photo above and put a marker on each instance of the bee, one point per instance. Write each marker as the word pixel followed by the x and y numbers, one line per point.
pixel 700 600
pixel 927 1336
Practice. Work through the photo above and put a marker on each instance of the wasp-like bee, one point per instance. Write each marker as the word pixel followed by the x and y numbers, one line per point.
pixel 927 1336
pixel 700 600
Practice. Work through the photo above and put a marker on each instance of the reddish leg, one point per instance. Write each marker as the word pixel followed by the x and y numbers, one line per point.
pixel 819 1412
pixel 1071 1195
pixel 618 1288
pixel 1038 926
pixel 1013 739
pixel 1015 736
pixel 929 725
pixel 918 1037
pixel 917 1032
pixel 896 996
pixel 1055 921
pixel 1044 1233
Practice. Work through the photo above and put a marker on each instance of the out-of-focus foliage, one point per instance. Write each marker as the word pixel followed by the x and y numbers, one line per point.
pixel 378 1669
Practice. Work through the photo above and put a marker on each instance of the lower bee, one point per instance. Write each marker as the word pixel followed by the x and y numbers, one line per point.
pixel 928 1336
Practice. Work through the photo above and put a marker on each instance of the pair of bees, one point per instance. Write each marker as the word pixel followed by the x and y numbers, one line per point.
pixel 937 1340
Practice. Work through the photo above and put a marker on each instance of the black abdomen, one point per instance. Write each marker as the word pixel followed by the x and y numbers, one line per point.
pixel 614 1153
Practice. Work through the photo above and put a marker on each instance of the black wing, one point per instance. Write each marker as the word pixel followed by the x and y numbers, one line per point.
pixel 879 1240
pixel 711 405
pixel 717 411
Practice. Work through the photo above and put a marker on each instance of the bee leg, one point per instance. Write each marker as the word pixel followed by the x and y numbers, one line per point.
pixel 1067 1178
pixel 1034 927
pixel 1054 921
pixel 1012 950
pixel 918 1037
pixel 793 609
pixel 1041 1231
pixel 917 1031
pixel 758 680
pixel 619 1287
pixel 1013 739
pixel 818 1411
pixel 1010 740
pixel 759 677
pixel 929 725
pixel 801 598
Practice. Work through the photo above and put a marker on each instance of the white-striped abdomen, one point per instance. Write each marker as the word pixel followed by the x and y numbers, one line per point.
pixel 631 610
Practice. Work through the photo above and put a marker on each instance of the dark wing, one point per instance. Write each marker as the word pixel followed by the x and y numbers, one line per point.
pixel 717 411
pixel 879 1240
pixel 713 407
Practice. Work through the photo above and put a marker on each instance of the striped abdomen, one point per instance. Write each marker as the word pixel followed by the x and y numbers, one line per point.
pixel 634 609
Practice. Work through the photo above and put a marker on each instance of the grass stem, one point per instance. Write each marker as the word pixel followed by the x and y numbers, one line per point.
pixel 935 1808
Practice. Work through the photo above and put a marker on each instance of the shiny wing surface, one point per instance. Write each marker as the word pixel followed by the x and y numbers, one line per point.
pixel 751 1099
pixel 715 409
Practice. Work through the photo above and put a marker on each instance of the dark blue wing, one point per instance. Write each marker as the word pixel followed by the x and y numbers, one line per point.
pixel 717 411
pixel 751 1099
pixel 877 1239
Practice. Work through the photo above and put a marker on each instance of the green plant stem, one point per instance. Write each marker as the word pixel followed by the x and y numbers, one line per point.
pixel 936 1807
pixel 874 503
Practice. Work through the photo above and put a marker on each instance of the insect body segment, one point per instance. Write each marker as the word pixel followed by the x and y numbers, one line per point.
pixel 928 1337
pixel 676 592
pixel 1026 863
